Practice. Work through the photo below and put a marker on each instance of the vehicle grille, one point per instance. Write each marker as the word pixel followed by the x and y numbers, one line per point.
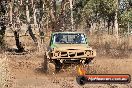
pixel 71 54
pixel 64 54
pixel 80 53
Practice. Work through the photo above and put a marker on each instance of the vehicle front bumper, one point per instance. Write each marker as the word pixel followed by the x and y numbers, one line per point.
pixel 72 55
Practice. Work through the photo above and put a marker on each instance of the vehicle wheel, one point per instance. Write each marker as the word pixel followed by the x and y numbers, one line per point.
pixel 58 65
pixel 88 61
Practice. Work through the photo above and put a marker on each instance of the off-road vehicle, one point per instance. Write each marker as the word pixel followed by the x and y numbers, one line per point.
pixel 67 47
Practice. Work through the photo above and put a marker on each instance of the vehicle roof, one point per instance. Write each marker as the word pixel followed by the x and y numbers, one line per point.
pixel 67 32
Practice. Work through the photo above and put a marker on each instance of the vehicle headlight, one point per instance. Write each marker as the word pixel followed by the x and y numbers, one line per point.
pixel 56 53
pixel 87 53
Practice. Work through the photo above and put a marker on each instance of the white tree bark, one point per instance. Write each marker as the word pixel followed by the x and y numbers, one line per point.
pixel 71 7
pixel 27 14
pixel 32 3
pixel 47 22
pixel 10 12
pixel 116 20
pixel 116 25
pixel 21 2
pixel 128 25
pixel 34 16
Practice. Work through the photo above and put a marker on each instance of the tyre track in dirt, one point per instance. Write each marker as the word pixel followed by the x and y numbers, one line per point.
pixel 27 72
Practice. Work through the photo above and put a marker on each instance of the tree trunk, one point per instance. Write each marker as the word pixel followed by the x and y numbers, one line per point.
pixel 2 23
pixel 18 43
pixel 32 3
pixel 116 25
pixel 10 12
pixel 62 18
pixel 21 2
pixel 47 21
pixel 27 14
pixel 116 22
pixel 62 14
pixel 71 7
pixel 2 33
pixel 34 16
pixel 31 34
pixel 53 15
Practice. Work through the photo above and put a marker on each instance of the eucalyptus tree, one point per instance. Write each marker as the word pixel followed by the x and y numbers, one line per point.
pixel 125 16
pixel 97 12
pixel 3 19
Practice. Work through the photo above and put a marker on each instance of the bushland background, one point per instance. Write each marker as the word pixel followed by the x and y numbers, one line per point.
pixel 107 23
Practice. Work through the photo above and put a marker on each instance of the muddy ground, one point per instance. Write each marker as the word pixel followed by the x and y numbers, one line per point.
pixel 28 73
pixel 25 71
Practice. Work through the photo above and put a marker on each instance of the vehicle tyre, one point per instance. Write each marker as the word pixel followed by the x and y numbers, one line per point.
pixel 58 65
pixel 88 61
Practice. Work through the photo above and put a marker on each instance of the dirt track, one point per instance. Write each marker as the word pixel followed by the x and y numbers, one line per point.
pixel 26 71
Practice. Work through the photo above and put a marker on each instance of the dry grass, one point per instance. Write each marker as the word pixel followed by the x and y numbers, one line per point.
pixel 111 46
pixel 26 70
pixel 105 44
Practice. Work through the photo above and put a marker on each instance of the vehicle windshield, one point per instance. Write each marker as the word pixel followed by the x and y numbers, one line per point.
pixel 68 38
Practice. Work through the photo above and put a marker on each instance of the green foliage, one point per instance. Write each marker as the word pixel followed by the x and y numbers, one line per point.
pixel 130 2
pixel 94 10
pixel 125 17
